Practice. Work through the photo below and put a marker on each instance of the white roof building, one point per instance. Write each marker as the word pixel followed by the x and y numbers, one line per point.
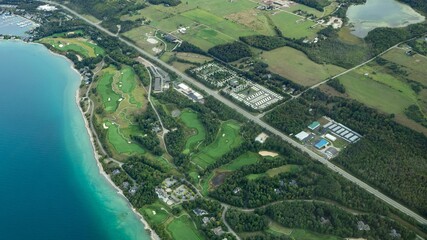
pixel 330 137
pixel 261 137
pixel 302 135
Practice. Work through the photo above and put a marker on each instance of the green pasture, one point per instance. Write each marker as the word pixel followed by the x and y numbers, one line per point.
pixel 304 8
pixel 228 138
pixel 119 143
pixel 183 228
pixel 374 94
pixel 155 213
pixel 296 66
pixel 294 26
pixel 416 65
pixel 109 98
pixel 190 119
pixel 206 37
pixel 78 45
pixel 246 159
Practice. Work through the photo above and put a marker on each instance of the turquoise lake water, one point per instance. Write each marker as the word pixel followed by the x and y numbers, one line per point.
pixel 50 184
pixel 381 13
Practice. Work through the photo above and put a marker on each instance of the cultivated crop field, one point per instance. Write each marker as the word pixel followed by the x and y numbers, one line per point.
pixel 228 138
pixel 296 66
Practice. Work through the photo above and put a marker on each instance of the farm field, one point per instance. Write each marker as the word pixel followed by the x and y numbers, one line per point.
pixel 253 19
pixel 80 46
pixel 183 228
pixel 414 65
pixel 190 119
pixel 193 57
pixel 294 26
pixel 246 159
pixel 227 139
pixel 307 9
pixel 296 66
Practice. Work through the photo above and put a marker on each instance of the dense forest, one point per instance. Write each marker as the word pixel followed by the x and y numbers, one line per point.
pixel 390 156
pixel 316 4
pixel 420 5
pixel 231 51
pixel 264 42
pixel 106 9
pixel 188 47
pixel 166 2
pixel 329 219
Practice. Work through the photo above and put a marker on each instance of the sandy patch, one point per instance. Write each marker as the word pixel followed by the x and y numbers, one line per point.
pixel 156 50
pixel 268 154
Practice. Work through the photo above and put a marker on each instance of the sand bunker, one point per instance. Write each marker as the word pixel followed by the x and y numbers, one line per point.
pixel 268 154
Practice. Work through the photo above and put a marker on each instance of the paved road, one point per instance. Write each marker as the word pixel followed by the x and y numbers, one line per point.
pixel 256 120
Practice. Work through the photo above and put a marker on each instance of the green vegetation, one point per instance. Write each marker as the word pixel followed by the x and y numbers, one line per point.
pixel 155 213
pixel 191 120
pixel 293 26
pixel 295 65
pixel 79 46
pixel 183 228
pixel 119 142
pixel 248 158
pixel 227 138
pixel 109 97
pixel 231 52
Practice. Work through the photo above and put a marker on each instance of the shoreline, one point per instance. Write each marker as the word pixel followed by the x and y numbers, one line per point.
pixel 147 228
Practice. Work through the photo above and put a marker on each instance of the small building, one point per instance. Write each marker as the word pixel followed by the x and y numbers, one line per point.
pixel 261 137
pixel 314 125
pixel 157 84
pixel 200 212
pixel 218 231
pixel 321 143
pixel 331 152
pixel 330 137
pixel 302 135
pixel 170 38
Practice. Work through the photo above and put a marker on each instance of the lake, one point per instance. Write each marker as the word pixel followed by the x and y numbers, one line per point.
pixel 50 184
pixel 15 25
pixel 381 13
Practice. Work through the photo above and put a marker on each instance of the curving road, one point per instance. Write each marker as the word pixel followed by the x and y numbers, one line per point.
pixel 256 120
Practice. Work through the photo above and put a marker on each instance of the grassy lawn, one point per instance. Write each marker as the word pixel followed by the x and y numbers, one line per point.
pixel 246 159
pixel 109 98
pixel 79 45
pixel 228 138
pixel 294 26
pixel 206 183
pixel 278 229
pixel 416 65
pixel 119 143
pixel 283 169
pixel 296 66
pixel 274 171
pixel 307 235
pixel 127 80
pixel 183 228
pixel 304 8
pixel 206 37
pixel 190 119
pixel 154 213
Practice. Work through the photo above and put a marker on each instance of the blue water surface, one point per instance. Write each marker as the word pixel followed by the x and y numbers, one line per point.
pixel 50 185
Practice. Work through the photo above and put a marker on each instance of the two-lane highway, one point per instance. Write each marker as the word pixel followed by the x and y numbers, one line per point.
pixel 256 120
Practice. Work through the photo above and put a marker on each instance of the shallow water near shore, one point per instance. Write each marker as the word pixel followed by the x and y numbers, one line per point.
pixel 381 13
pixel 50 184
